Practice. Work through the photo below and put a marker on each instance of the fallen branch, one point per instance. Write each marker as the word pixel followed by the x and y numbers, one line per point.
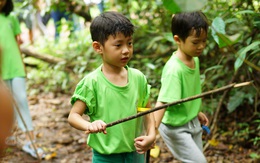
pixel 178 102
pixel 47 58
pixel 43 57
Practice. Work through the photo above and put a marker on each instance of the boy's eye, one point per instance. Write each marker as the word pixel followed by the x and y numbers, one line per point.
pixel 118 45
pixel 130 43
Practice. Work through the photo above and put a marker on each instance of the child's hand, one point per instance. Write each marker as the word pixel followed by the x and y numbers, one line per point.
pixel 96 127
pixel 203 119
pixel 144 143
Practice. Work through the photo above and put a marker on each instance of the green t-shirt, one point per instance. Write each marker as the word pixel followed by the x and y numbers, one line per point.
pixel 12 65
pixel 108 102
pixel 178 82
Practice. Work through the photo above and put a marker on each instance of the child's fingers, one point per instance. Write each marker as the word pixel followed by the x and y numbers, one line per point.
pixel 89 130
pixel 140 138
pixel 96 127
pixel 139 149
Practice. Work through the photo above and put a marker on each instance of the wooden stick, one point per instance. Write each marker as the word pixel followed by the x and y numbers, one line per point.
pixel 178 102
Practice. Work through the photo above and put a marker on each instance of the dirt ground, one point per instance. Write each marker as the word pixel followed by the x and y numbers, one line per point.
pixel 63 144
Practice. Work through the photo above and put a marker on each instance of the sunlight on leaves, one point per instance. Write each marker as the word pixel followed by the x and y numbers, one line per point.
pixel 50 156
pixel 176 6
pixel 213 142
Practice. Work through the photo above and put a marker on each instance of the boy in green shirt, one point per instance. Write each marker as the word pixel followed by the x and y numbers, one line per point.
pixel 111 92
pixel 180 125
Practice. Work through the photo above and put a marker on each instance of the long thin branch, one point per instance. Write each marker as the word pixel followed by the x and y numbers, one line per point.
pixel 177 102
pixel 43 57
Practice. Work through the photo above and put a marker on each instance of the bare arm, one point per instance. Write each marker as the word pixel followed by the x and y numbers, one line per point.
pixel 144 143
pixel 158 115
pixel 76 120
pixel 150 123
pixel 75 117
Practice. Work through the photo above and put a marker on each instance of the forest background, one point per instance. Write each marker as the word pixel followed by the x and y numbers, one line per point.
pixel 232 55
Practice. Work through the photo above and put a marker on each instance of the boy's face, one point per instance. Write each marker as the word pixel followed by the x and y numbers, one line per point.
pixel 194 45
pixel 117 51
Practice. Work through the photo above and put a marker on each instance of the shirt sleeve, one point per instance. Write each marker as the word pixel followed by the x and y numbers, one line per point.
pixel 170 88
pixel 85 94
pixel 143 89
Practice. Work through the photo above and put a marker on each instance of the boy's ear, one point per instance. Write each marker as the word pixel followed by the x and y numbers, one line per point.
pixel 177 39
pixel 97 47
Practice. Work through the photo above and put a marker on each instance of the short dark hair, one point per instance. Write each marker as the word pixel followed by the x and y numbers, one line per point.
pixel 184 23
pixel 8 8
pixel 110 23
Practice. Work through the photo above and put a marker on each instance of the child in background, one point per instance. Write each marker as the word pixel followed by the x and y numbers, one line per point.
pixel 113 91
pixel 180 125
pixel 13 71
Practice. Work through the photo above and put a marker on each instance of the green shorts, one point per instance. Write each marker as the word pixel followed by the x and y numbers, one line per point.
pixel 129 157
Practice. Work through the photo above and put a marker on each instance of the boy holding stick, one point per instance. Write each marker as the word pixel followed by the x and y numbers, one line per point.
pixel 111 92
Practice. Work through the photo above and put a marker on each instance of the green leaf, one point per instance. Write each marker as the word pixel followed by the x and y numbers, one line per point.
pixel 257 22
pixel 168 36
pixel 213 68
pixel 245 12
pixel 254 155
pixel 218 30
pixel 219 33
pixel 242 54
pixel 235 101
pixel 154 40
pixel 151 66
pixel 135 5
pixel 176 6
pixel 218 25
pixel 224 40
pixel 235 38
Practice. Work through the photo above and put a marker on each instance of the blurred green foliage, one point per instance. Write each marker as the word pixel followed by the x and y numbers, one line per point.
pixel 232 54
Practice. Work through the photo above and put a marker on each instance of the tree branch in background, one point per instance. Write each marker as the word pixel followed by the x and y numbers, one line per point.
pixel 43 57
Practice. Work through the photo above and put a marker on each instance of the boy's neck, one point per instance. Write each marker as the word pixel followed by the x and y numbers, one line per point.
pixel 186 59
pixel 115 75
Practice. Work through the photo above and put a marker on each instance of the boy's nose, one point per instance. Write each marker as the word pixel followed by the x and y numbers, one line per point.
pixel 125 50
pixel 202 46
